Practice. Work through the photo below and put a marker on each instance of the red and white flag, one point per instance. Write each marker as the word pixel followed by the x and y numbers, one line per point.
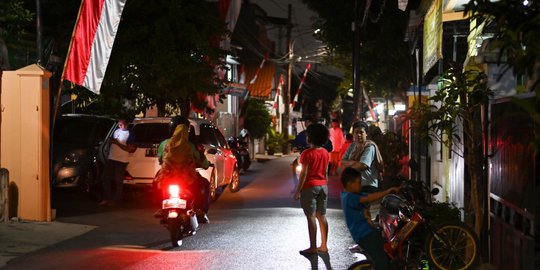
pixel 92 42
pixel 299 91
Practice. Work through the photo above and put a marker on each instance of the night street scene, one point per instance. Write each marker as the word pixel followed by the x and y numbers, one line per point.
pixel 270 134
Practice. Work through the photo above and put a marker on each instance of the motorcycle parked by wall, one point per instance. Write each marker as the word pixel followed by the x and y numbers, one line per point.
pixel 239 146
pixel 413 241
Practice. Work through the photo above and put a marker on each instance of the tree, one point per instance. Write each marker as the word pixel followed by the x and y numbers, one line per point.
pixel 516 25
pixel 13 16
pixel 385 59
pixel 458 101
pixel 165 52
pixel 257 119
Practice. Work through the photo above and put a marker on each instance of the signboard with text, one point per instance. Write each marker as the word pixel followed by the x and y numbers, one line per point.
pixel 432 36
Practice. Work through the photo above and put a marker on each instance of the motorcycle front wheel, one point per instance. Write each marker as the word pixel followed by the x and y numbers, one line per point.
pixel 452 246
pixel 362 265
pixel 174 231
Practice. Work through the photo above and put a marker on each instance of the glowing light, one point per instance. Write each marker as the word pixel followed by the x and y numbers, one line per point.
pixel 173 214
pixel 399 107
pixel 174 191
pixel 526 2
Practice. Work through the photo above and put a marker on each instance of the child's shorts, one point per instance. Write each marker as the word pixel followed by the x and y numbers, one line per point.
pixel 314 199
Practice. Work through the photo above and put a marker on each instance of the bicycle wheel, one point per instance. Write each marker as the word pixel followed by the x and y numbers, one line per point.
pixel 452 246
pixel 362 265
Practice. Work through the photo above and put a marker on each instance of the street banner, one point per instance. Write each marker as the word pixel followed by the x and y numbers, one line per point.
pixel 92 42
pixel 433 27
pixel 299 90
pixel 277 99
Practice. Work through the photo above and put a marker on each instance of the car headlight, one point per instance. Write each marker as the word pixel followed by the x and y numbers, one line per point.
pixel 72 158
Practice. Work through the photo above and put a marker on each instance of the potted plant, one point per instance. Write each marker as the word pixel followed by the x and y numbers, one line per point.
pixel 274 141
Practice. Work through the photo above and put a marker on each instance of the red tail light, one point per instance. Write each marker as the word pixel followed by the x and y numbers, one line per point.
pixel 174 191
pixel 128 176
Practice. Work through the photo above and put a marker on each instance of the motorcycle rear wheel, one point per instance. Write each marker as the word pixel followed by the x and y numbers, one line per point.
pixel 452 246
pixel 174 231
pixel 362 265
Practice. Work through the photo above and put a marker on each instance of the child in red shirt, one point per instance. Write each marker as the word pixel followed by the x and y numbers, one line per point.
pixel 312 187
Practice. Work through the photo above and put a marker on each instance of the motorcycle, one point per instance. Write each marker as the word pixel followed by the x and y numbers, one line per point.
pixel 239 146
pixel 178 214
pixel 413 241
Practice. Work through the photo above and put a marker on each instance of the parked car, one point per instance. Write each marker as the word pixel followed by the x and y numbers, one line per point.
pixel 77 155
pixel 150 132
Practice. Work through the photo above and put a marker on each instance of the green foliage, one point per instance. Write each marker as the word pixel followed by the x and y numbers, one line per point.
pixel 13 16
pixel 166 52
pixel 392 147
pixel 516 31
pixel 257 119
pixel 443 212
pixel 461 93
pixel 274 141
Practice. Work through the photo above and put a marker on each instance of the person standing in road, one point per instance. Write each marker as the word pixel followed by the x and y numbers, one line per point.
pixel 336 137
pixel 312 190
pixel 364 156
pixel 121 144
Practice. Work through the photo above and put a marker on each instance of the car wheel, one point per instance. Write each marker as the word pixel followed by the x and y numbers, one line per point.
pixel 234 185
pixel 87 183
pixel 213 186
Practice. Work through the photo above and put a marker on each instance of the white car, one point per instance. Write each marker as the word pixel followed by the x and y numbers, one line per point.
pixel 150 132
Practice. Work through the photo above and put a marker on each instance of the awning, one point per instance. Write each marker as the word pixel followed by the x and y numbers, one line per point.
pixel 263 85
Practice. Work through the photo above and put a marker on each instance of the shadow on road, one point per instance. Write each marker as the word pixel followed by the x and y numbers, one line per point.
pixel 314 260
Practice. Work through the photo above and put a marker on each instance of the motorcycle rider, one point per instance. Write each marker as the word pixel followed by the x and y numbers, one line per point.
pixel 179 158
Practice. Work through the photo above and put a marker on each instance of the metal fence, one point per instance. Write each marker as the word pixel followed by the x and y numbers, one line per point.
pixel 4 191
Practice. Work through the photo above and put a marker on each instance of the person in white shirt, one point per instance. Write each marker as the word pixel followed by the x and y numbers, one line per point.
pixel 121 144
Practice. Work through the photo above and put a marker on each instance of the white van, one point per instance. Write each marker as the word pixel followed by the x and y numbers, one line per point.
pixel 150 132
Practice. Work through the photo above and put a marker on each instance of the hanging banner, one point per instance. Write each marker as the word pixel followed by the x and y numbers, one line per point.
pixel 433 29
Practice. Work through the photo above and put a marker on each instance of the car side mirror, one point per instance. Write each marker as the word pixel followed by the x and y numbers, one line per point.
pixel 212 151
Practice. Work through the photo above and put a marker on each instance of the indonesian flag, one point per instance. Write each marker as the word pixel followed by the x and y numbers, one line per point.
pixel 92 42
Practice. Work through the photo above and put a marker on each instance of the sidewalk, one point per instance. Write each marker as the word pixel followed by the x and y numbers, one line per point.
pixel 20 237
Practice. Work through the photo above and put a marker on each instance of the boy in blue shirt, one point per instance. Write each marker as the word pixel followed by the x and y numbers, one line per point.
pixel 358 219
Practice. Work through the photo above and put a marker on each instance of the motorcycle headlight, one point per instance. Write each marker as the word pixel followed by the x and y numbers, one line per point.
pixel 72 158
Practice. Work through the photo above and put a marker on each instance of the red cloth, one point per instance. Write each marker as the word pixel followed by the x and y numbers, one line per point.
pixel 316 160
pixel 336 137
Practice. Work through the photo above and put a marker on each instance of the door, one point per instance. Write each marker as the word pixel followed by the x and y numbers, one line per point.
pixel 213 150
pixel 229 158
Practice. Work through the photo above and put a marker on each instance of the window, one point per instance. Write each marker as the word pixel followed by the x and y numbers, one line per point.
pixel 102 129
pixel 148 134
pixel 221 139
pixel 208 135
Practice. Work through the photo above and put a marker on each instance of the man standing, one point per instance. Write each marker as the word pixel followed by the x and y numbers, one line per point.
pixel 336 137
pixel 121 144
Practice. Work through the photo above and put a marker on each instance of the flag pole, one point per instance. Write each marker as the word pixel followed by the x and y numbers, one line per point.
pixel 57 102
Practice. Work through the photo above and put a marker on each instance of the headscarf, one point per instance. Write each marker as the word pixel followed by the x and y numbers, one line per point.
pixel 178 154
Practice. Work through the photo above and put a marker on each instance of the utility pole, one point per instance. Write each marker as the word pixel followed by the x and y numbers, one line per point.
pixel 38 35
pixel 286 93
pixel 357 93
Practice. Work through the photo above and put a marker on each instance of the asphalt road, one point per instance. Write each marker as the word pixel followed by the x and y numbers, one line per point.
pixel 260 227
